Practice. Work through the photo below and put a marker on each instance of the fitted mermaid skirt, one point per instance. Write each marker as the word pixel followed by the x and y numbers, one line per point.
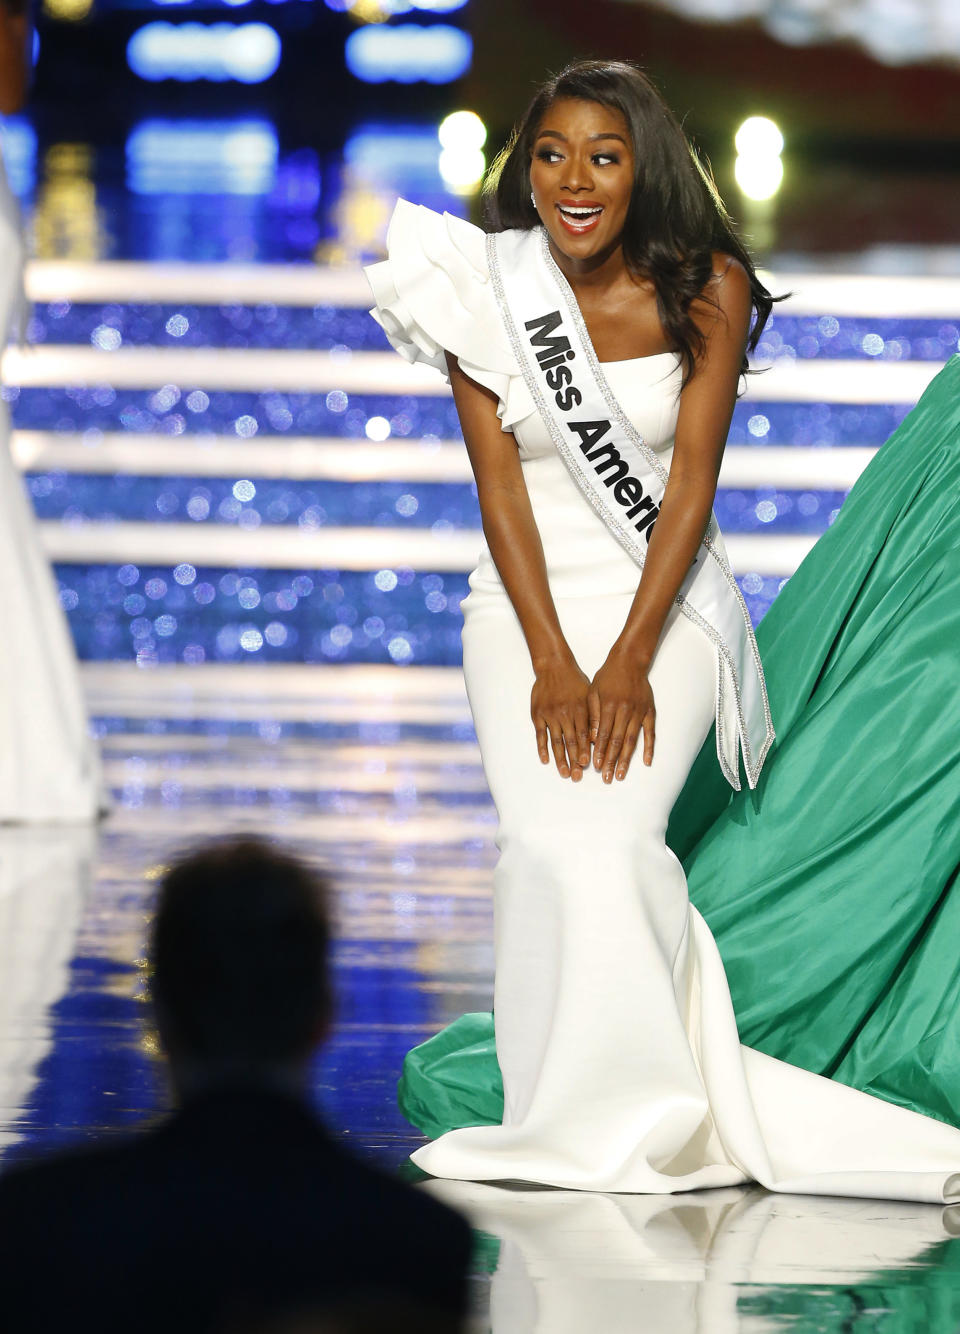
pixel 621 1062
pixel 836 878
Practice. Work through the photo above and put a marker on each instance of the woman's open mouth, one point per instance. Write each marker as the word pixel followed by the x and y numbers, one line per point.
pixel 579 218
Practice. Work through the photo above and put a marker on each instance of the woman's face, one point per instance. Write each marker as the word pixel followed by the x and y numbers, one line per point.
pixel 581 174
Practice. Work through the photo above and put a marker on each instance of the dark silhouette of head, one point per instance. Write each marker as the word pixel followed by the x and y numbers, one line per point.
pixel 240 980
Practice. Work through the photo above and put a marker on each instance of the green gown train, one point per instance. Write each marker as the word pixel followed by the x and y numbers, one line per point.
pixel 832 888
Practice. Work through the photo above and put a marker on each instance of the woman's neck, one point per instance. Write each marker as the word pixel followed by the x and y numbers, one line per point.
pixel 596 273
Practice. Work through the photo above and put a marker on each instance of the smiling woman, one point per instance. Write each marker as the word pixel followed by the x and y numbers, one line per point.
pixel 611 163
pixel 591 154
pixel 594 341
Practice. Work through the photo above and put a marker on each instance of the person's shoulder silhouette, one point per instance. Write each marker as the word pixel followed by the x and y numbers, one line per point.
pixel 240 1205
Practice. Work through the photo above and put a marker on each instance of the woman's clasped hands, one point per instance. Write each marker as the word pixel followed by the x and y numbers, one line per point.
pixel 574 716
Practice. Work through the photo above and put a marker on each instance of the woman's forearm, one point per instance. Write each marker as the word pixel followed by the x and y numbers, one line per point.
pixel 676 538
pixel 508 520
pixel 511 532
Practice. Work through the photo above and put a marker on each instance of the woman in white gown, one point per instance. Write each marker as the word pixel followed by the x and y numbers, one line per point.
pixel 622 1068
pixel 49 767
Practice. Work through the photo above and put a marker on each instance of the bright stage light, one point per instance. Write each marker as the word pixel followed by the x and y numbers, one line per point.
pixel 202 157
pixel 462 169
pixel 377 428
pixel 759 177
pixel 409 53
pixel 462 163
pixel 462 131
pixel 394 157
pixel 759 136
pixel 69 11
pixel 759 168
pixel 245 52
pixel 428 6
pixel 254 52
pixel 66 220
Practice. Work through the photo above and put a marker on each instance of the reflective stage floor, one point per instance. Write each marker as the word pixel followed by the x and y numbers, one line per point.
pixel 374 773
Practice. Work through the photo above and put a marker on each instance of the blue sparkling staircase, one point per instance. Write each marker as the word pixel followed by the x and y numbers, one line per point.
pixel 225 477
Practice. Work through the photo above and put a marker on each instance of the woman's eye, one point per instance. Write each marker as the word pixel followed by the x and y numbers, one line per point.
pixel 551 155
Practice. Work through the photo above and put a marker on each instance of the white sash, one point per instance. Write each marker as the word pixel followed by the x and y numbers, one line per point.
pixel 623 479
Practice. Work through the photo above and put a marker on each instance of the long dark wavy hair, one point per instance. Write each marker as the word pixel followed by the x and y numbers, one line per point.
pixel 676 218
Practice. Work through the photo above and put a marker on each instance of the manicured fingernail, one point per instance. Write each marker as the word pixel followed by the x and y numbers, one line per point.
pixel 621 773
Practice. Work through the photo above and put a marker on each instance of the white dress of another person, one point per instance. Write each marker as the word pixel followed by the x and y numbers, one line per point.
pixel 49 764
pixel 622 1067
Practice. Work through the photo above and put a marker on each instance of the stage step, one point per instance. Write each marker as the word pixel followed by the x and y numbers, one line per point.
pixel 230 466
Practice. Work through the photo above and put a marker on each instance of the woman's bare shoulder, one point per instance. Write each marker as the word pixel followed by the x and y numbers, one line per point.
pixel 729 275
pixel 727 293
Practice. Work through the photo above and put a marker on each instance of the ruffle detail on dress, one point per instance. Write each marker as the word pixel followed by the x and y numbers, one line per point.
pixel 433 294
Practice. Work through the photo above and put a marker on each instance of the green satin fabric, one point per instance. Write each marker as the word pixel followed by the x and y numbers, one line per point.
pixel 453 1078
pixel 831 888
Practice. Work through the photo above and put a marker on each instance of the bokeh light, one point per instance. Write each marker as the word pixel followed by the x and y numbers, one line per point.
pixel 462 170
pixel 759 167
pixel 759 177
pixel 189 156
pixel 760 136
pixel 67 11
pixel 244 52
pixel 409 53
pixel 462 135
pixel 462 130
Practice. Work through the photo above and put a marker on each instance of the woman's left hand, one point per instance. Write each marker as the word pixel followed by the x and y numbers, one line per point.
pixel 621 706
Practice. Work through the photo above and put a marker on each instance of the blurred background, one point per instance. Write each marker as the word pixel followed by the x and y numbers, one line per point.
pixel 283 129
pixel 245 134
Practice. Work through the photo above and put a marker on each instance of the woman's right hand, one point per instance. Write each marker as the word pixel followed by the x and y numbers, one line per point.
pixel 558 707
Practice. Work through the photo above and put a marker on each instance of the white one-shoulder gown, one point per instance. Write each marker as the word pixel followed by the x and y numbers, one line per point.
pixel 622 1066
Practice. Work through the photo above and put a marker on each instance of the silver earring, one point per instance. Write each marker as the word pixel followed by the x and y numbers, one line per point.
pixel 533 199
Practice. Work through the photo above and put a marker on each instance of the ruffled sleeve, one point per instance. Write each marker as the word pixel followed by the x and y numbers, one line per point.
pixel 433 294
